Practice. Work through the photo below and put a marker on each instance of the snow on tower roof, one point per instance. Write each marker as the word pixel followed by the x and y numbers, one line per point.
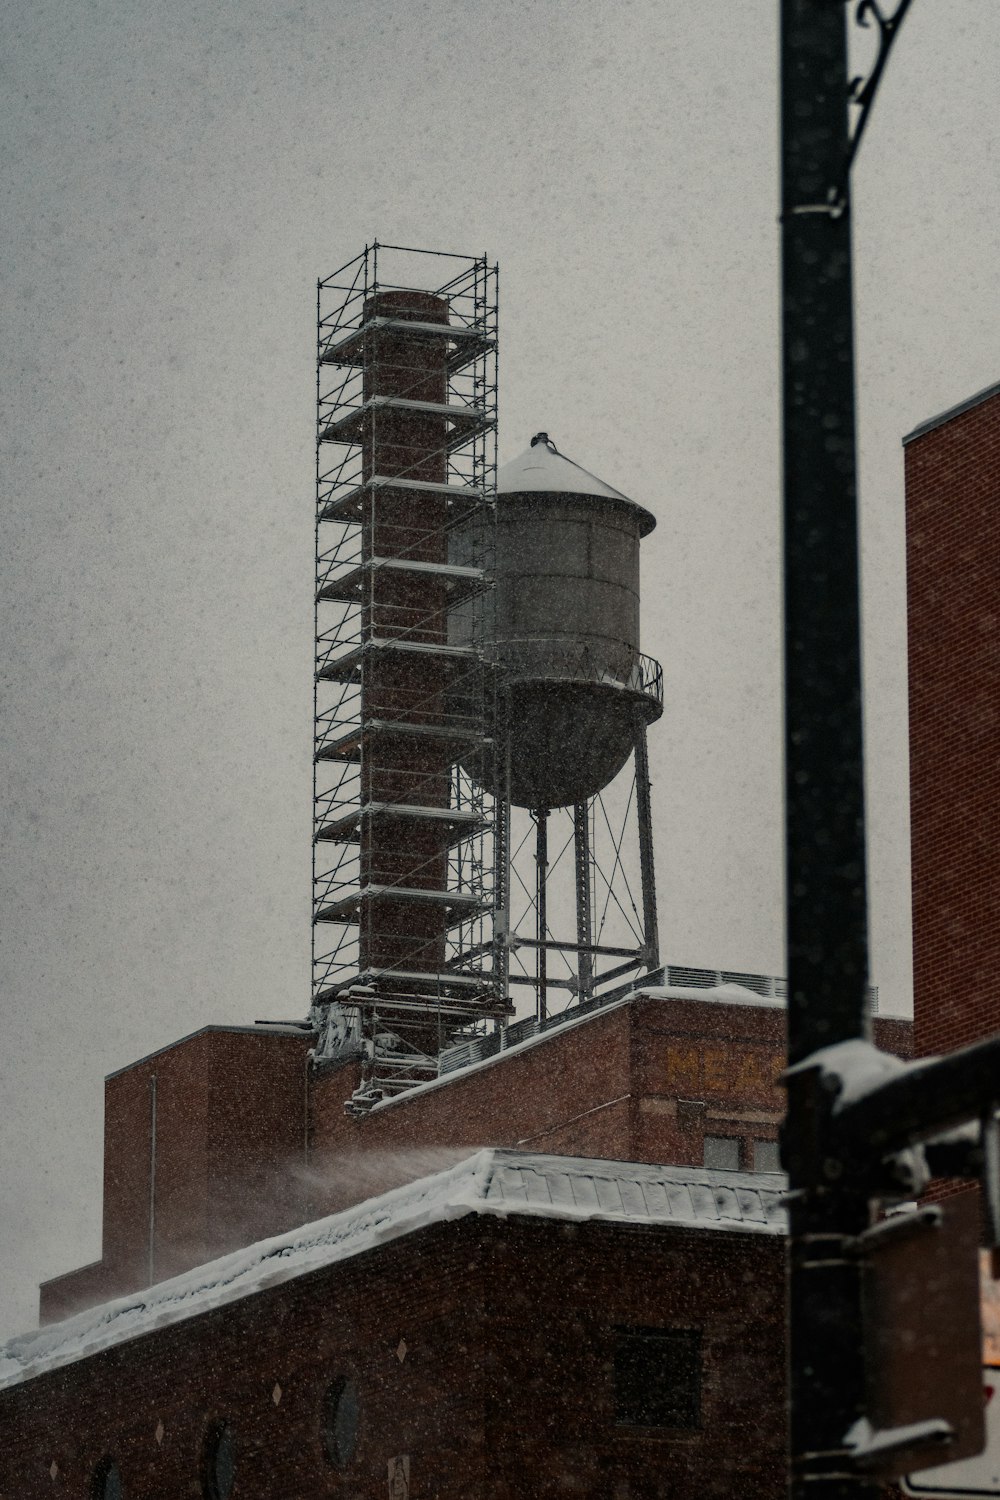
pixel 542 467
pixel 492 1182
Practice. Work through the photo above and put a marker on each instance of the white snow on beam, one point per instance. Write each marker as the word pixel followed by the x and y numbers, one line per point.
pixel 492 1182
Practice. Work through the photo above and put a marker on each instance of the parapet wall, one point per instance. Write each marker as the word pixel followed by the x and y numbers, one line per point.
pixel 250 1140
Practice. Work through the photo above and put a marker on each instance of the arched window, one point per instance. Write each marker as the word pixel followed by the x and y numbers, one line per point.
pixel 220 1462
pixel 107 1481
pixel 341 1418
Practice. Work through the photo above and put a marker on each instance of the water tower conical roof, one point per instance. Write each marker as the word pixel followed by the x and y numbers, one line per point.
pixel 542 469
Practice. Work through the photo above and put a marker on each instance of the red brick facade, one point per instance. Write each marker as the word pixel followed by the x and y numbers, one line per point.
pixel 250 1142
pixel 506 1385
pixel 215 1171
pixel 953 603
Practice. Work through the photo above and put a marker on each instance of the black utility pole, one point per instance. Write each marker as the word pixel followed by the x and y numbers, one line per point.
pixel 826 901
pixel 883 1317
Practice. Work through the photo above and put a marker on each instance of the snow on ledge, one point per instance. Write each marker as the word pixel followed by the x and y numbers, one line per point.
pixel 853 1068
pixel 493 1181
pixel 721 994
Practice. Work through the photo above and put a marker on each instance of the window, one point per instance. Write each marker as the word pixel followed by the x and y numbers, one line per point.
pixel 220 1462
pixel 766 1156
pixel 107 1481
pixel 341 1417
pixel 658 1377
pixel 722 1152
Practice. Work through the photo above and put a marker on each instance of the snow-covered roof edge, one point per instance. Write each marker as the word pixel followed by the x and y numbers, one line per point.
pixel 495 1182
pixel 930 423
pixel 542 469
pixel 261 1028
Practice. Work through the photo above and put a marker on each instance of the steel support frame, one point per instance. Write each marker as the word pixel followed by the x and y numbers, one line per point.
pixel 644 814
pixel 587 976
pixel 583 868
pixel 541 818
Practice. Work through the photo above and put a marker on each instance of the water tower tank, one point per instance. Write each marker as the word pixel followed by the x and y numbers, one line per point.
pixel 562 626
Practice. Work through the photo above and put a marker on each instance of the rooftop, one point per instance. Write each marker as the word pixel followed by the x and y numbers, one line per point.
pixel 952 412
pixel 492 1182
pixel 542 469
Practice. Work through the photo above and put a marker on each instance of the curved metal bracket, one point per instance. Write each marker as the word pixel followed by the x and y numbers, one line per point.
pixel 861 95
pixel 862 91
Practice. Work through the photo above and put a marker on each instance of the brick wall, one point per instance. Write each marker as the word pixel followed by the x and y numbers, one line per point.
pixel 641 1082
pixel 243 1152
pixel 554 1431
pixel 953 602
pixel 505 1388
pixel 230 1112
pixel 568 1094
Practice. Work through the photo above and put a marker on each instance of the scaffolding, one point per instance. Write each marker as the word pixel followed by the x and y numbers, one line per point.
pixel 405 856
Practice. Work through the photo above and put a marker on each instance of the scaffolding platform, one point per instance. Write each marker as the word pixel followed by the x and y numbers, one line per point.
pixel 457 822
pixel 347 505
pixel 463 422
pixel 422 986
pixel 460 582
pixel 446 982
pixel 347 668
pixel 347 746
pixel 356 346
pixel 457 906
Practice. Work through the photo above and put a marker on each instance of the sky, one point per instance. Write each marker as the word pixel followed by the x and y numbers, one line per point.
pixel 175 180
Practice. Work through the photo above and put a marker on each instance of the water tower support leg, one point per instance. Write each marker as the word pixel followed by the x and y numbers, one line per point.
pixel 541 867
pixel 501 917
pixel 584 919
pixel 501 862
pixel 644 813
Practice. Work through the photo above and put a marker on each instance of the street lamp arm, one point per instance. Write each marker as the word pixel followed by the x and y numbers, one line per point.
pixel 862 91
pixel 880 1106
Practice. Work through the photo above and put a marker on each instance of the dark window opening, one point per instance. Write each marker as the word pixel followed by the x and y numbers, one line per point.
pixel 107 1481
pixel 341 1418
pixel 766 1156
pixel 658 1377
pixel 220 1462
pixel 722 1152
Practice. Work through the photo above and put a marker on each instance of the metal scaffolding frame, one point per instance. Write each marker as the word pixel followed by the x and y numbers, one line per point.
pixel 404 859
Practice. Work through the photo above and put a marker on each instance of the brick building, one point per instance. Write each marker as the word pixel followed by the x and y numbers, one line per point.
pixel 517 1325
pixel 234 1134
pixel 532 1318
pixel 953 584
pixel 952 466
pixel 547 1316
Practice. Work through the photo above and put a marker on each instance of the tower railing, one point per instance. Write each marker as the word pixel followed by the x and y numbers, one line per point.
pixel 578 663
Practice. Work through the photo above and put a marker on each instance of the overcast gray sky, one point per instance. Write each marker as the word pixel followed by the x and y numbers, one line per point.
pixel 176 179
